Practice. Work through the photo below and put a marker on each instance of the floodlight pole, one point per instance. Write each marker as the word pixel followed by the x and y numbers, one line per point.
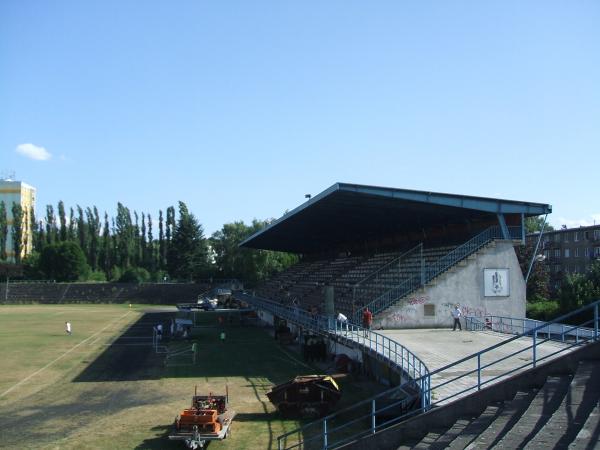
pixel 6 291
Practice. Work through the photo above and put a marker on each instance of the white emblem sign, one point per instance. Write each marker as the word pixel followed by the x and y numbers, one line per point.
pixel 496 282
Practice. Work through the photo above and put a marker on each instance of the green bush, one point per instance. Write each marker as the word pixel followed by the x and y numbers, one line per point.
pixel 135 275
pixel 543 310
pixel 96 275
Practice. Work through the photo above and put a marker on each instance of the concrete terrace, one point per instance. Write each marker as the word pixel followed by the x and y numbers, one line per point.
pixel 440 347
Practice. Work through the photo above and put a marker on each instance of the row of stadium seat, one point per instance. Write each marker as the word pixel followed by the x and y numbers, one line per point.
pixel 357 280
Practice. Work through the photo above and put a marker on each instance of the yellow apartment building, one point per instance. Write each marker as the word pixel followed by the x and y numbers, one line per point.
pixel 21 193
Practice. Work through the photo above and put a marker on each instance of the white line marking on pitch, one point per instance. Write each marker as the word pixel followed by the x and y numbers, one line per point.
pixel 63 355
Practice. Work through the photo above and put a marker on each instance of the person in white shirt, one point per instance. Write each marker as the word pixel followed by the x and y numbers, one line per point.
pixel 343 320
pixel 68 328
pixel 456 313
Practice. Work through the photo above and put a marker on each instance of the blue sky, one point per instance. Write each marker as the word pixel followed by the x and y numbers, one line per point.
pixel 241 108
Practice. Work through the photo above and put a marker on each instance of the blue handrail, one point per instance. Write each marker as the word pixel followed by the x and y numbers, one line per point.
pixel 360 420
pixel 398 356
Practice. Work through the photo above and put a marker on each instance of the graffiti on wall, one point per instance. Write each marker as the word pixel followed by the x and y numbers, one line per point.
pixel 467 310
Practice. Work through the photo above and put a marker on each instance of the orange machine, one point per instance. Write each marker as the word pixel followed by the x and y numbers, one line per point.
pixel 207 419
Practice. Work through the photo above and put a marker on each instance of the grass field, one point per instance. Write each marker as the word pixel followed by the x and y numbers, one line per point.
pixel 105 388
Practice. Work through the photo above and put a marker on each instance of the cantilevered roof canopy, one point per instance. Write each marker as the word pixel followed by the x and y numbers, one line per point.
pixel 354 213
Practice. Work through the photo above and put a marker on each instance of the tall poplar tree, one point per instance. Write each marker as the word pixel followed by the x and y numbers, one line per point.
pixel 51 234
pixel 62 219
pixel 3 231
pixel 162 254
pixel 17 230
pixel 71 234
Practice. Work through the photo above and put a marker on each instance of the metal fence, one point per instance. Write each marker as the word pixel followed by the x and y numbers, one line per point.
pixel 474 372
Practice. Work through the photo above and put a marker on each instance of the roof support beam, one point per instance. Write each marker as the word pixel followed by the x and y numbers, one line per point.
pixel 503 226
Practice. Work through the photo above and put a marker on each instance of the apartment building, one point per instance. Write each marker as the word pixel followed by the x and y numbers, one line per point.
pixel 568 250
pixel 20 193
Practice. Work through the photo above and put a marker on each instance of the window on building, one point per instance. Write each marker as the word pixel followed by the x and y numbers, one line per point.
pixel 546 254
pixel 567 252
pixel 596 234
pixel 557 268
pixel 596 251
pixel 586 252
pixel 557 237
pixel 576 236
pixel 557 252
pixel 566 237
pixel 577 252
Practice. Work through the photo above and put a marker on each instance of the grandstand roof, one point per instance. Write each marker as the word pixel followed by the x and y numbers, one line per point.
pixel 351 212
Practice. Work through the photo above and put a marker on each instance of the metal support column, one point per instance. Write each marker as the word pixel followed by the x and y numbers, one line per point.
pixel 503 226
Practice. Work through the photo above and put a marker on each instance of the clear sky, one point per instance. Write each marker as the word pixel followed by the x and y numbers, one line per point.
pixel 241 108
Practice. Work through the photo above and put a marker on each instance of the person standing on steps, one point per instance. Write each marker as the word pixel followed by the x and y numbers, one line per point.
pixel 456 314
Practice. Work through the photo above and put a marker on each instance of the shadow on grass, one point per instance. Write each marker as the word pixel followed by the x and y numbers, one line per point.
pixel 131 356
pixel 161 442
pixel 246 351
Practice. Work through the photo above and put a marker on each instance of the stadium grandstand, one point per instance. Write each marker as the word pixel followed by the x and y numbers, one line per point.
pixel 411 257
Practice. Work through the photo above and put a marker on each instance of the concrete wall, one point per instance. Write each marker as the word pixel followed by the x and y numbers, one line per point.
pixel 462 284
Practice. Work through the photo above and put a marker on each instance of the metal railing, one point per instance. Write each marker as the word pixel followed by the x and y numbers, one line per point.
pixel 398 356
pixel 430 271
pixel 510 325
pixel 471 373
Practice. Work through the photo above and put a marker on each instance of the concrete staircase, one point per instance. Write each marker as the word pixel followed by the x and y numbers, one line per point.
pixel 563 413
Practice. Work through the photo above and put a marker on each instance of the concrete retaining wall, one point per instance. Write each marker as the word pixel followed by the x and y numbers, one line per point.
pixel 463 284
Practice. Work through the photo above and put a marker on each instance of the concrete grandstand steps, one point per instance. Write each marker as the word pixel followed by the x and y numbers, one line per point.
pixel 575 408
pixel 450 435
pixel 475 428
pixel 541 408
pixel 589 436
pixel 507 416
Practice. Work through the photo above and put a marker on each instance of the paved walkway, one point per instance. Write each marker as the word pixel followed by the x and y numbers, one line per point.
pixel 439 347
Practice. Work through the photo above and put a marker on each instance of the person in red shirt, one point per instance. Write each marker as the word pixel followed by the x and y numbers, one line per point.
pixel 367 319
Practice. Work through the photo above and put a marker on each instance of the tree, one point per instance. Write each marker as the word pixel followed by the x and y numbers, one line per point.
pixel 3 231
pixel 537 284
pixel 232 261
pixel 125 244
pixel 17 230
pixel 50 225
pixel 187 255
pixel 64 261
pixel 534 224
pixel 63 221
pixel 162 254
pixel 71 235
pixel 150 260
pixel 93 225
pixel 105 253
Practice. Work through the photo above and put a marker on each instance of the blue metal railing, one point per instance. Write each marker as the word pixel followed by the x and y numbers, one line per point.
pixel 474 373
pixel 511 325
pixel 435 269
pixel 398 356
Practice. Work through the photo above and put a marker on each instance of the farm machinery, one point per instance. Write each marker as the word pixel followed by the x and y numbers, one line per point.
pixel 207 419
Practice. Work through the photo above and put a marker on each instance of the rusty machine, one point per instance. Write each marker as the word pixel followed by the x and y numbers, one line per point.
pixel 207 419
pixel 307 396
